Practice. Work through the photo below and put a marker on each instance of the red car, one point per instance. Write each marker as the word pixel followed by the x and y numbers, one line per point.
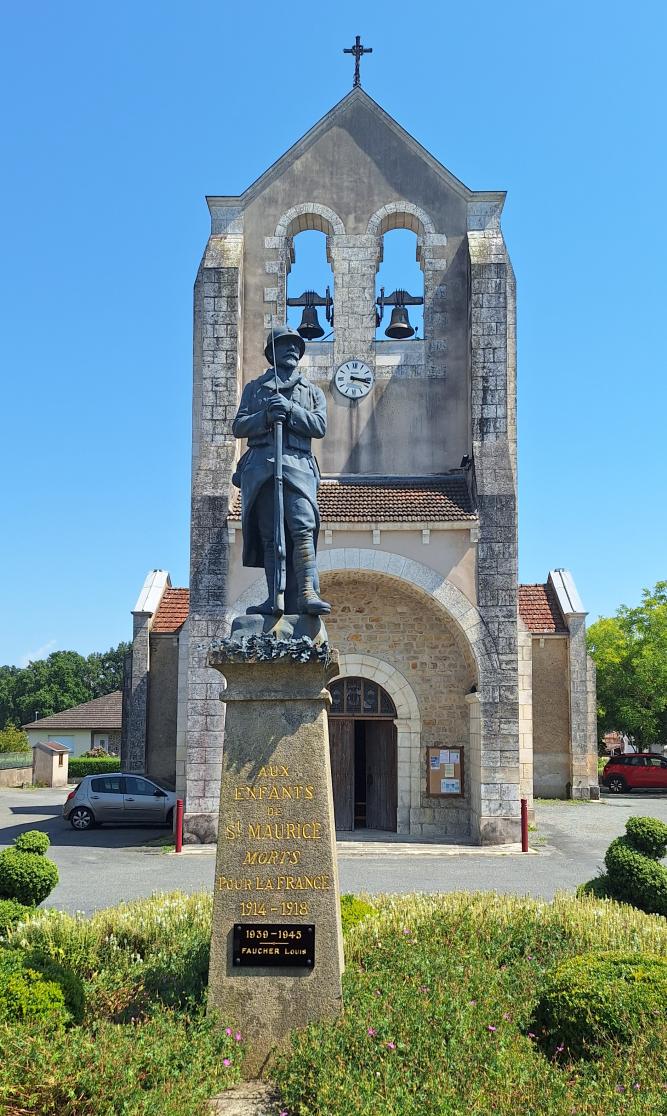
pixel 638 771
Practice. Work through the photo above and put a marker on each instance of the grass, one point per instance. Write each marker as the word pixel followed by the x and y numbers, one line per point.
pixel 439 993
pixel 145 1047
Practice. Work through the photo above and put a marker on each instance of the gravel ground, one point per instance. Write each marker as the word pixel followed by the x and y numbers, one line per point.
pixel 112 863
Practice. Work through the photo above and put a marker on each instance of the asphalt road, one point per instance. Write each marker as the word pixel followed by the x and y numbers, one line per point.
pixel 112 863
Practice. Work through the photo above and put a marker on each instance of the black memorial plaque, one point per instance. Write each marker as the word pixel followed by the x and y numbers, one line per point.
pixel 274 944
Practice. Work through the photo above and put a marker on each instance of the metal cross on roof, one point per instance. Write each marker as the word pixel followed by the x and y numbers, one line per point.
pixel 357 50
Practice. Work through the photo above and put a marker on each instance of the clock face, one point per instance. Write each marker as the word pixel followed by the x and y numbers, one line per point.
pixel 354 379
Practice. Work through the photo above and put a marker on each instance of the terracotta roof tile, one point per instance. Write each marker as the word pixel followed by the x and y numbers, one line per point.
pixel 100 713
pixel 538 608
pixel 172 611
pixel 397 500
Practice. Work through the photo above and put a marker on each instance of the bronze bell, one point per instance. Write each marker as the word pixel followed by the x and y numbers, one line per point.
pixel 310 328
pixel 399 327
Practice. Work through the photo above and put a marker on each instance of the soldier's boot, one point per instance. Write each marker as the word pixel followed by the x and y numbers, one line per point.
pixel 309 600
pixel 266 607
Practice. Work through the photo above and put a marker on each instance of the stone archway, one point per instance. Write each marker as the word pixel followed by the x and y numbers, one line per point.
pixel 447 596
pixel 478 733
pixel 408 724
pixel 400 215
pixel 310 216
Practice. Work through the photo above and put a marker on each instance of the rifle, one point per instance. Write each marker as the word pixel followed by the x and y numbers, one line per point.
pixel 280 550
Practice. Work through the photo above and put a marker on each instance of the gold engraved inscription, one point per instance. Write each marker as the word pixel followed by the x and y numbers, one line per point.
pixel 279 858
pixel 262 792
pixel 320 882
pixel 275 831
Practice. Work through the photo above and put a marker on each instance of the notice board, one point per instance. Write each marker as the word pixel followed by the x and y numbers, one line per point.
pixel 444 777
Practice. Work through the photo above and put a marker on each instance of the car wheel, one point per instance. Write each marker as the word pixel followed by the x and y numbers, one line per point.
pixel 169 820
pixel 617 785
pixel 81 818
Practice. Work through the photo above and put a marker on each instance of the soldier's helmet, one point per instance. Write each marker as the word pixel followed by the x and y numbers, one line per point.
pixel 279 333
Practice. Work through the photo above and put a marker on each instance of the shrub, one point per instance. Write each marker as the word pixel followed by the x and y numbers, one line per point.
pixel 633 873
pixel 353 911
pixel 598 888
pixel 103 765
pixel 598 999
pixel 148 951
pixel 26 994
pixel 648 835
pixel 28 877
pixel 439 991
pixel 13 739
pixel 165 1065
pixel 32 841
pixel 69 983
pixel 95 753
pixel 11 913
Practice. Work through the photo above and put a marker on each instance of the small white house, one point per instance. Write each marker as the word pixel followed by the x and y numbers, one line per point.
pixel 94 724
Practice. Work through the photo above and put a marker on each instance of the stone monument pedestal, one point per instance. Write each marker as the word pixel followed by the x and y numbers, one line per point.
pixel 276 948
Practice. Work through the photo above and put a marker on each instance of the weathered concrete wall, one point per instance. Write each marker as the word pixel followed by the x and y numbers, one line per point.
pixel 163 694
pixel 15 776
pixel 409 424
pixel 551 718
pixel 386 620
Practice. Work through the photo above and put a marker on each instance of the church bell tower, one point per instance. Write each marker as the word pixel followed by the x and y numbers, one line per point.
pixel 418 547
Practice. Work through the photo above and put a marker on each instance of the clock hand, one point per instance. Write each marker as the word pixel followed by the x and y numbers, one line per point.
pixel 364 379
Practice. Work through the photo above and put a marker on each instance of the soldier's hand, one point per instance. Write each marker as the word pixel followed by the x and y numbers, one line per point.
pixel 278 408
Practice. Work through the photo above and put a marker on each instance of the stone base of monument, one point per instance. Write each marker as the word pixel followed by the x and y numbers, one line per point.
pixel 276 947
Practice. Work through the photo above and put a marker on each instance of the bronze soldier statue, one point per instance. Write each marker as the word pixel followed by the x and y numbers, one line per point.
pixel 282 396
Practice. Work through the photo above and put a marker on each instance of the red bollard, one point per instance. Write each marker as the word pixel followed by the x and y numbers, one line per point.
pixel 524 825
pixel 179 824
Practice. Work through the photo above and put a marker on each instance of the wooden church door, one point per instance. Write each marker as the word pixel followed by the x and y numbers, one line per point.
pixel 341 750
pixel 381 775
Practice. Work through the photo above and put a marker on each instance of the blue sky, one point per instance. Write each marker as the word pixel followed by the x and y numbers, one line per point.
pixel 118 119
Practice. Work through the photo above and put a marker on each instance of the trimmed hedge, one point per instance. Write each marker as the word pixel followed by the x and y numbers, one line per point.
pixel 11 913
pixel 32 841
pixel 634 874
pixel 102 765
pixel 596 1000
pixel 25 873
pixel 26 877
pixel 27 994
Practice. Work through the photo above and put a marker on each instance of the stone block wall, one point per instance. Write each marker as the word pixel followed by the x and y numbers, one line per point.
pixel 386 620
pixel 493 392
pixel 217 345
pixel 551 717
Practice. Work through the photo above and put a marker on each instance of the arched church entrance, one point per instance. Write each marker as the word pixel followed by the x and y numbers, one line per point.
pixel 364 760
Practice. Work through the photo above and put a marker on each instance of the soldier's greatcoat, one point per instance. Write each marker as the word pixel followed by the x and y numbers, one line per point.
pixel 307 418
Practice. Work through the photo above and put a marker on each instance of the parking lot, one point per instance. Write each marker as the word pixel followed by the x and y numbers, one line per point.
pixel 107 864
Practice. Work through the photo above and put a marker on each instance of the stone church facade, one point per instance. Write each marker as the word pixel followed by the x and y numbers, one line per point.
pixel 448 666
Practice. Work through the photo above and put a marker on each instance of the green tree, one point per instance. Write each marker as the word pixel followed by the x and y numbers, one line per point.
pixel 12 739
pixel 630 653
pixel 50 685
pixel 105 670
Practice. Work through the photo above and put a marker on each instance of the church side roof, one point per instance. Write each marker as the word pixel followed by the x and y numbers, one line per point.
pixel 329 120
pixel 100 713
pixel 390 500
pixel 539 610
pixel 172 611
